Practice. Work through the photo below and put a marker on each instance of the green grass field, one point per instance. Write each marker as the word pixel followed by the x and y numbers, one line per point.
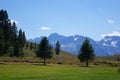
pixel 23 69
pixel 55 72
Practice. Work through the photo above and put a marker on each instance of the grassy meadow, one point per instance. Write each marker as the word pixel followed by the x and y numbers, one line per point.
pixel 29 57
pixel 55 72
pixel 65 66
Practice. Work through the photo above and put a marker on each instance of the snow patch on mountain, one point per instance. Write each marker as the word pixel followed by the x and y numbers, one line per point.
pixel 104 44
pixel 107 39
pixel 114 33
pixel 113 43
pixel 76 38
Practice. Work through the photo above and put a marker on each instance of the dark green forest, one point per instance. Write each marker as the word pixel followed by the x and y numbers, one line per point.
pixel 12 40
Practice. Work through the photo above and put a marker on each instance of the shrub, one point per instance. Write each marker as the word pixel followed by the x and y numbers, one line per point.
pixel 59 62
pixel 118 70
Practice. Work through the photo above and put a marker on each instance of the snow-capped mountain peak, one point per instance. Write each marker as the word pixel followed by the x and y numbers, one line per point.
pixel 114 33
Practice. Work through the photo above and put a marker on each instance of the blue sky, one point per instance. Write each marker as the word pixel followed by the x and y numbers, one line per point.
pixel 91 18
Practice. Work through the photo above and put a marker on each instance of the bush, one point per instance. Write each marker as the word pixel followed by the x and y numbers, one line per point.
pixel 59 62
pixel 95 63
pixel 118 70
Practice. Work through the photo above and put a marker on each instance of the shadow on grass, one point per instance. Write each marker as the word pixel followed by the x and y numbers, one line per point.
pixel 90 66
pixel 85 66
pixel 39 64
pixel 2 63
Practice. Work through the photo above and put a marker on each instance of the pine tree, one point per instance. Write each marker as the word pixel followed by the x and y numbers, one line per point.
pixel 86 52
pixel 31 46
pixel 2 42
pixel 3 17
pixel 26 45
pixel 24 38
pixel 35 46
pixel 19 43
pixel 57 49
pixel 16 48
pixel 13 33
pixel 44 50
pixel 20 37
pixel 4 24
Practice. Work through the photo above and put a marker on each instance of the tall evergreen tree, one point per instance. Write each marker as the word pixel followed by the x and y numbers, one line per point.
pixel 44 50
pixel 35 46
pixel 12 38
pixel 13 33
pixel 86 52
pixel 24 38
pixel 3 17
pixel 57 49
pixel 26 45
pixel 19 44
pixel 5 25
pixel 31 46
pixel 2 42
pixel 17 49
pixel 20 37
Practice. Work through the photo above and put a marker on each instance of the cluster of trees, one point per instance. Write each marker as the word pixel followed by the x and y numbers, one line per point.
pixel 11 40
pixel 45 50
pixel 30 46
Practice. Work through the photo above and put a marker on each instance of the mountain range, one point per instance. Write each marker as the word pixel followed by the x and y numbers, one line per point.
pixel 108 45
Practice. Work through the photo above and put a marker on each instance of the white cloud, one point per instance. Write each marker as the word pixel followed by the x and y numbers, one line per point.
pixel 114 33
pixel 45 28
pixel 13 21
pixel 110 21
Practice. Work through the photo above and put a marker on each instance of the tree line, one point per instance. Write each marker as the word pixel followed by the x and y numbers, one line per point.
pixel 44 49
pixel 11 40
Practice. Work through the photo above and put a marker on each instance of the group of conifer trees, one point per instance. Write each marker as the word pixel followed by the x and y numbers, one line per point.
pixel 11 40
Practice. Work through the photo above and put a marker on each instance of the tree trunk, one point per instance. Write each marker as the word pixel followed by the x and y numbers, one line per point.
pixel 87 62
pixel 44 61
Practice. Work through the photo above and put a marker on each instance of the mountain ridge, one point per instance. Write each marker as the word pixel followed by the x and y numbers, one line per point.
pixel 72 44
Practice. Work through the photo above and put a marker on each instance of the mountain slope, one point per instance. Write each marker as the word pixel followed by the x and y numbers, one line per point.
pixel 111 44
pixel 107 46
